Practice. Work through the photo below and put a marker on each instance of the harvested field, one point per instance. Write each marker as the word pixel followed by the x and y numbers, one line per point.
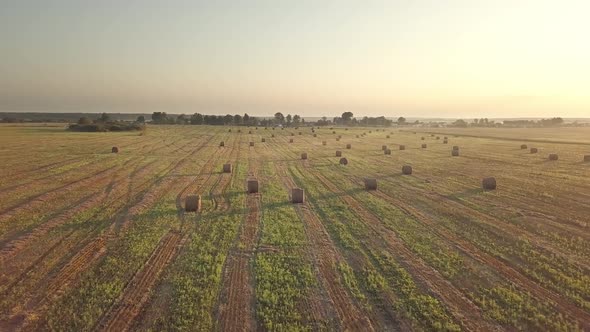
pixel 95 240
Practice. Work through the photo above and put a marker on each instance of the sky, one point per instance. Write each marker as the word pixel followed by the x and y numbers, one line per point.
pixel 412 58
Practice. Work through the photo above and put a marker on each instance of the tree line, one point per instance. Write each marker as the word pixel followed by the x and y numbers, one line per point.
pixel 279 119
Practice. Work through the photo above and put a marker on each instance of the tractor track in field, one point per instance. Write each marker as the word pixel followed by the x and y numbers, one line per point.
pixel 124 312
pixel 139 194
pixel 41 198
pixel 454 299
pixel 205 174
pixel 35 182
pixel 217 193
pixel 10 248
pixel 34 201
pixel 68 274
pixel 237 300
pixel 60 241
pixel 83 261
pixel 491 224
pixel 326 258
pixel 505 270
pixel 163 185
pixel 137 292
pixel 47 167
pixel 317 302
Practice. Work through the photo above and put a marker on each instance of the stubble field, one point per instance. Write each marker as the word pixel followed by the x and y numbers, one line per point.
pixel 94 240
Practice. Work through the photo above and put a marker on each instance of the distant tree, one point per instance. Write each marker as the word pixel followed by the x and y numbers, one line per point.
pixel 181 119
pixel 159 117
pixel 401 121
pixel 459 123
pixel 237 119
pixel 279 118
pixel 296 120
pixel 289 118
pixel 347 117
pixel 104 118
pixel 197 119
pixel 84 121
pixel 246 118
pixel 228 119
pixel 140 119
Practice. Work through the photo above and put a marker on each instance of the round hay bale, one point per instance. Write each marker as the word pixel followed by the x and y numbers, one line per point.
pixel 252 185
pixel 387 136
pixel 357 136
pixel 297 195
pixel 291 140
pixel 371 184
pixel 338 153
pixel 324 143
pixel 387 151
pixel 383 147
pixel 292 134
pixel 348 146
pixel 370 131
pixel 239 130
pixel 437 137
pixel 251 143
pixel 488 183
pixel 256 128
pixel 445 142
pixel 227 168
pixel 534 150
pixel 455 153
pixel 114 149
pixel 422 138
pixel 402 147
pixel 300 133
pixel 523 146
pixel 229 131
pixel 587 157
pixel 424 146
pixel 407 170
pixel 446 137
pixel 553 156
pixel 304 155
pixel 315 135
pixel 343 161
pixel 192 203
pixel 249 131
pixel 337 139
pixel 431 135
pixel 222 143
pixel 456 147
pixel 334 132
pixel 273 135
pixel 263 140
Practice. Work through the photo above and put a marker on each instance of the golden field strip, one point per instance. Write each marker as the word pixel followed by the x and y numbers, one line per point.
pixel 93 240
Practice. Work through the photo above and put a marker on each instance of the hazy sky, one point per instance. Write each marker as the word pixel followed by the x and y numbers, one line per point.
pixel 412 58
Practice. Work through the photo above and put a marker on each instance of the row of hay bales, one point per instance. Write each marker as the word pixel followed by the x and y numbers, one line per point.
pixel 193 202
